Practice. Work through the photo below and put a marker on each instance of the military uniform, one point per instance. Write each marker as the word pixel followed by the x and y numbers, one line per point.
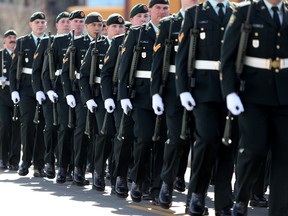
pixel 50 131
pixel 142 112
pixel 31 136
pixel 10 143
pixel 264 99
pixel 103 142
pixel 122 149
pixel 81 141
pixel 59 46
pixel 175 148
pixel 210 110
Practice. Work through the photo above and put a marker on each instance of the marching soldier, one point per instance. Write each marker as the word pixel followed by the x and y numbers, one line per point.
pixel 134 92
pixel 262 103
pixel 10 143
pixel 109 82
pixel 175 148
pixel 65 137
pixel 205 98
pixel 93 26
pixel 92 97
pixel 22 93
pixel 40 58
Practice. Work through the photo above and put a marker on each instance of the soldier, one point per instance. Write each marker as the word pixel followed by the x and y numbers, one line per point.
pixel 209 107
pixel 93 26
pixel 40 58
pixel 122 148
pixel 142 39
pixel 10 142
pixel 104 29
pixel 59 46
pixel 31 136
pixel 175 148
pixel 263 101
pixel 92 98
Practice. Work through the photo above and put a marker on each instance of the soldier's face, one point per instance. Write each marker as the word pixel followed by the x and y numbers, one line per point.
pixel 77 25
pixel 140 19
pixel 115 29
pixel 38 26
pixel 63 26
pixel 93 28
pixel 10 42
pixel 158 11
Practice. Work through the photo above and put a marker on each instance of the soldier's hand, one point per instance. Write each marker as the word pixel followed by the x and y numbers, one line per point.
pixel 109 105
pixel 71 101
pixel 15 97
pixel 157 104
pixel 234 104
pixel 52 96
pixel 91 105
pixel 40 97
pixel 126 105
pixel 187 101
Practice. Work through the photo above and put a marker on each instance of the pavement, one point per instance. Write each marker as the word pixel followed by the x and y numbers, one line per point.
pixel 41 196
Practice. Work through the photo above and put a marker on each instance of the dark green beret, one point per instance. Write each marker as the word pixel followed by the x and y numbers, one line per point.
pixel 63 14
pixel 115 19
pixel 77 14
pixel 10 32
pixel 37 15
pixel 93 17
pixel 153 2
pixel 138 8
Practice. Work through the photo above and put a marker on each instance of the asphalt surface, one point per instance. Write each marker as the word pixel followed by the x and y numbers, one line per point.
pixel 41 196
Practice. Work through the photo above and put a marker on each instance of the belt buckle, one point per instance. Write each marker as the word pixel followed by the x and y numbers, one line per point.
pixel 275 64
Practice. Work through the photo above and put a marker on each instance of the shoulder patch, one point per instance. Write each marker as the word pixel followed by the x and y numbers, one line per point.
pixel 156 47
pixel 106 59
pixel 36 55
pixel 123 50
pixel 13 55
pixel 65 60
pixel 180 37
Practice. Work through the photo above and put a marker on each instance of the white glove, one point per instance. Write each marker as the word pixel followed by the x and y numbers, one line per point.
pixel 40 97
pixel 91 105
pixel 157 104
pixel 71 101
pixel 126 105
pixel 3 79
pixel 15 97
pixel 234 104
pixel 109 105
pixel 52 96
pixel 187 101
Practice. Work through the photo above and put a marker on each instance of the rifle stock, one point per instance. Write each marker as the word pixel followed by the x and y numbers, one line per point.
pixel 245 31
pixel 194 32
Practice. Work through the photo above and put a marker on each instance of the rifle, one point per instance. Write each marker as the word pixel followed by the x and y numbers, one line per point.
pixel 245 31
pixel 93 70
pixel 72 50
pixel 165 70
pixel 2 68
pixel 37 113
pixel 53 79
pixel 194 32
pixel 18 77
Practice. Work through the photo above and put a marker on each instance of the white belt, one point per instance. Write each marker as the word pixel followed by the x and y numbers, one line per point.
pixel 5 83
pixel 172 69
pixel 27 70
pixel 58 72
pixel 207 65
pixel 143 74
pixel 97 79
pixel 266 63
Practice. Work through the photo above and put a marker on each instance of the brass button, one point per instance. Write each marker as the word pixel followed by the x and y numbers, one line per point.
pixel 276 70
pixel 278 34
pixel 278 46
pixel 222 28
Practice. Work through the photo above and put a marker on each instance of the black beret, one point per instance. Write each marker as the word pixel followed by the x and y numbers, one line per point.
pixel 61 15
pixel 93 17
pixel 10 32
pixel 37 15
pixel 115 19
pixel 153 2
pixel 77 14
pixel 138 8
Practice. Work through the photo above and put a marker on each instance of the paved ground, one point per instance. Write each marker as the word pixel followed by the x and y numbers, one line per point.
pixel 40 196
